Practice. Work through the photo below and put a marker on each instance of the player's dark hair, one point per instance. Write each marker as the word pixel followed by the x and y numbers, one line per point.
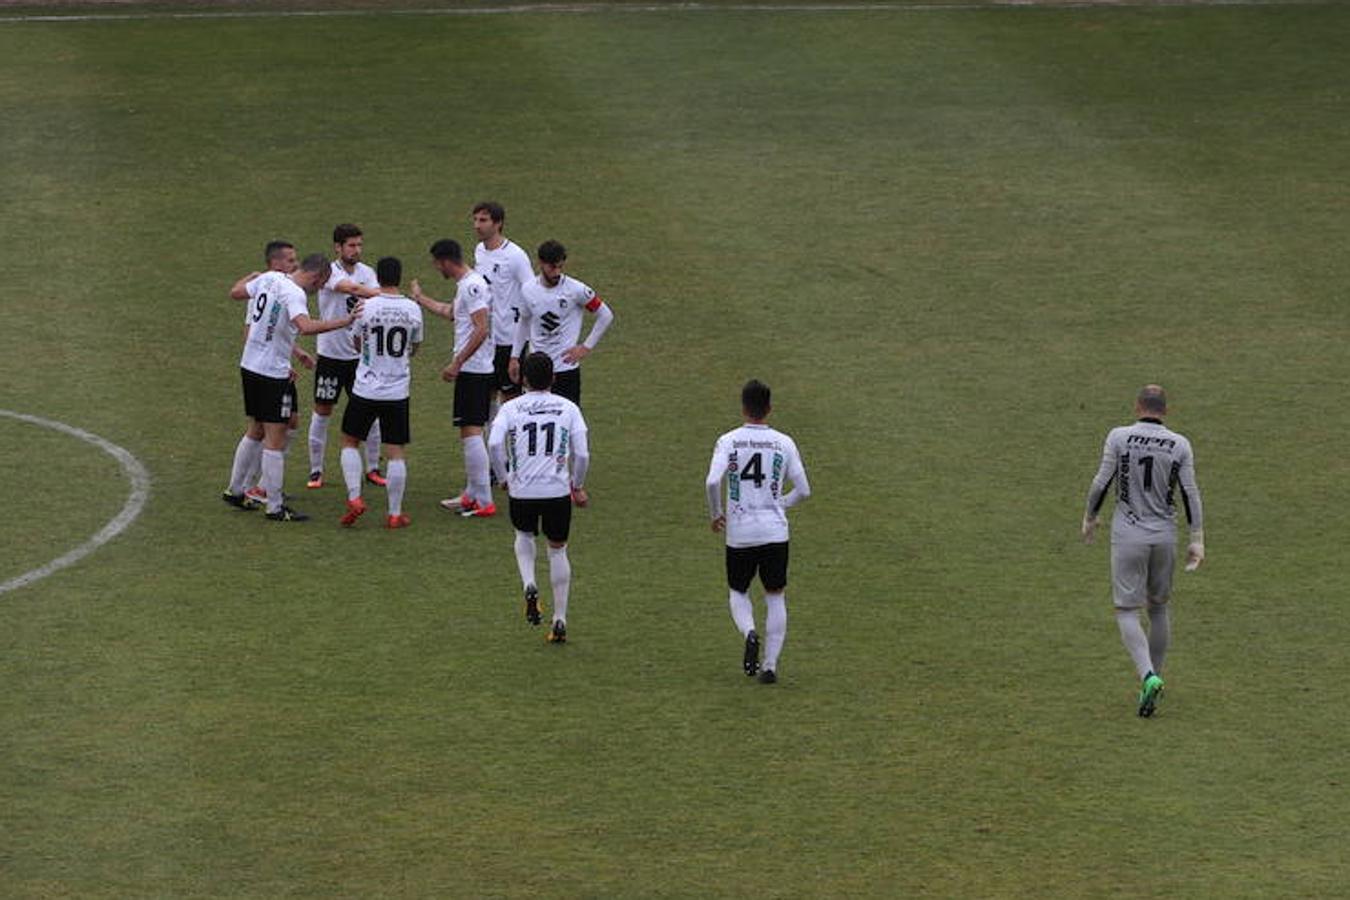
pixel 389 271
pixel 273 249
pixel 755 399
pixel 315 262
pixel 345 232
pixel 537 370
pixel 496 212
pixel 1153 399
pixel 449 249
pixel 552 252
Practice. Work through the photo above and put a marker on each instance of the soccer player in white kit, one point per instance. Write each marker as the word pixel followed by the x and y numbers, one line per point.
pixel 550 321
pixel 1148 463
pixel 390 333
pixel 336 368
pixel 470 370
pixel 757 463
pixel 506 268
pixel 539 451
pixel 278 313
pixel 280 257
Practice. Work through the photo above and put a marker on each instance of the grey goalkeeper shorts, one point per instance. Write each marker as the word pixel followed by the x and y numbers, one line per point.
pixel 1141 573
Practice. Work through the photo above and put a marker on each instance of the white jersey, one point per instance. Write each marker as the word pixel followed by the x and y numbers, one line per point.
pixel 757 462
pixel 554 315
pixel 335 305
pixel 471 295
pixel 390 327
pixel 536 434
pixel 506 270
pixel 274 301
pixel 1148 462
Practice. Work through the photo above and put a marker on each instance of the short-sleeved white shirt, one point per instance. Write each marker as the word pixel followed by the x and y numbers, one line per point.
pixel 555 316
pixel 539 430
pixel 389 327
pixel 471 295
pixel 506 269
pixel 274 301
pixel 757 462
pixel 335 305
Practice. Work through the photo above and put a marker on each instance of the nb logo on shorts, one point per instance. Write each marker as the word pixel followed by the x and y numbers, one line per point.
pixel 326 388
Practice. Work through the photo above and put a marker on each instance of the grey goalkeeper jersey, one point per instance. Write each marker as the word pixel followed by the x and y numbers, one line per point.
pixel 1149 463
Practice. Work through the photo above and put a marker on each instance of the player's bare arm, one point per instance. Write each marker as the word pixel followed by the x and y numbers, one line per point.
pixel 238 291
pixel 304 357
pixel 518 344
pixel 305 325
pixel 347 286
pixel 476 338
pixel 436 307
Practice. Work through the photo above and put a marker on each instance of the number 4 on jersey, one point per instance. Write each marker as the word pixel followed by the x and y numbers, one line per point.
pixel 754 471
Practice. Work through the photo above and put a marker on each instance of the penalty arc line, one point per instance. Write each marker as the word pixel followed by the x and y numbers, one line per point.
pixel 136 473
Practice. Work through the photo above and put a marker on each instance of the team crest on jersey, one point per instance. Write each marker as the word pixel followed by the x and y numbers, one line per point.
pixel 562 303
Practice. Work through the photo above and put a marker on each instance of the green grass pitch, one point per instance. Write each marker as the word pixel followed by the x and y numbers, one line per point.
pixel 954 240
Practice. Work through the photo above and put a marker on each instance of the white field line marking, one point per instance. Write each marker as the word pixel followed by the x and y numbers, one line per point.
pixel 140 491
pixel 526 8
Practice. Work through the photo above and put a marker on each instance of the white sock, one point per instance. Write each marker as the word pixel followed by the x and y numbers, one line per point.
pixel 373 446
pixel 1136 643
pixel 742 612
pixel 1159 634
pixel 560 574
pixel 273 474
pixel 318 440
pixel 476 469
pixel 775 628
pixel 397 476
pixel 351 471
pixel 525 552
pixel 247 455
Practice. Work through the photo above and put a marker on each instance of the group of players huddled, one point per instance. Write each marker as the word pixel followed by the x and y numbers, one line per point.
pixel 368 331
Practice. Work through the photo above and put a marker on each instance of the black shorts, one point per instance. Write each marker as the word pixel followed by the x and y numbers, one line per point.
pixel 556 513
pixel 501 370
pixel 568 384
pixel 332 377
pixel 292 397
pixel 393 416
pixel 267 399
pixel 473 394
pixel 770 560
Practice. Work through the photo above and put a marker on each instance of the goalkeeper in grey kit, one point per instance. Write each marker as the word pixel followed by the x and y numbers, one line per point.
pixel 1148 463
